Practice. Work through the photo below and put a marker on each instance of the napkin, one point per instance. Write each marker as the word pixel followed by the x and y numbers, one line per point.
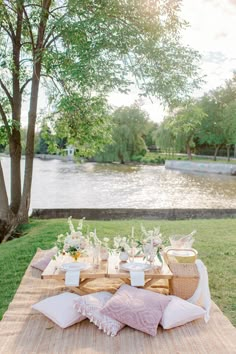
pixel 202 294
pixel 72 278
pixel 137 278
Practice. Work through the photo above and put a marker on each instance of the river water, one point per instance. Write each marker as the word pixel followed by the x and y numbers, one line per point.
pixel 58 184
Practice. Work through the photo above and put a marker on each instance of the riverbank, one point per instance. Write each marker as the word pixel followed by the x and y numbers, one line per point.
pixel 129 213
pixel 190 166
pixel 215 241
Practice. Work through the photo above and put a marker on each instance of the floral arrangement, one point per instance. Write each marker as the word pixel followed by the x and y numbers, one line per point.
pixel 74 243
pixel 151 243
pixel 121 244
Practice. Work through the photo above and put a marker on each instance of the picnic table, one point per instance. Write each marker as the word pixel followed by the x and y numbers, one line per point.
pixel 107 275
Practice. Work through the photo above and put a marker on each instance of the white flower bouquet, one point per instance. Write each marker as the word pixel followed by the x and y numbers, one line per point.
pixel 74 243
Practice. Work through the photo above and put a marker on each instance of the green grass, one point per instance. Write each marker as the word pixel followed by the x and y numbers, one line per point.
pixel 158 155
pixel 215 242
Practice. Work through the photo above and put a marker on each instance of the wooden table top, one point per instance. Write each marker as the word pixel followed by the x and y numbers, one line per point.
pixel 53 271
pixel 109 269
pixel 115 271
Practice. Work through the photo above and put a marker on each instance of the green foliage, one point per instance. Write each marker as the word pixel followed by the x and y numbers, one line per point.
pixel 84 122
pixel 215 242
pixel 130 125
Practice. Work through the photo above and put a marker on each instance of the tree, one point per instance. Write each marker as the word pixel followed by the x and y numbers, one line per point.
pixel 87 48
pixel 164 136
pixel 218 126
pixel 186 123
pixel 130 125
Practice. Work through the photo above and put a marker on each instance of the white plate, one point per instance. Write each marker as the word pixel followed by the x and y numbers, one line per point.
pixel 75 266
pixel 135 267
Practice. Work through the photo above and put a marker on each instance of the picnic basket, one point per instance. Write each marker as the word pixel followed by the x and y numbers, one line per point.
pixel 180 255
pixel 185 273
pixel 185 279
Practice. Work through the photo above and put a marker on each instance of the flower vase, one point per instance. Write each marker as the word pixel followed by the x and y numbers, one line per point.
pixel 104 254
pixel 76 255
pixel 124 256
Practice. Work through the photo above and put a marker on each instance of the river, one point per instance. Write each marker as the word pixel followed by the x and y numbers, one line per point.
pixel 58 184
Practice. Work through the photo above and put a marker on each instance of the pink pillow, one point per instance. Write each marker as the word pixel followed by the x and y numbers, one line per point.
pixel 179 311
pixel 43 262
pixel 91 305
pixel 60 309
pixel 138 308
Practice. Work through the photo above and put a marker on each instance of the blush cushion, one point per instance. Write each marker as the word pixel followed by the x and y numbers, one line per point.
pixel 60 309
pixel 43 262
pixel 179 311
pixel 90 306
pixel 138 308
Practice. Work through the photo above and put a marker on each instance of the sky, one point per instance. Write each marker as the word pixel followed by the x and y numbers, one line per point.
pixel 211 31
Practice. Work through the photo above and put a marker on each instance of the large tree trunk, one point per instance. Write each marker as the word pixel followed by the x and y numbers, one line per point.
pixel 15 154
pixel 18 213
pixel 29 151
pixel 15 140
pixel 6 216
pixel 4 209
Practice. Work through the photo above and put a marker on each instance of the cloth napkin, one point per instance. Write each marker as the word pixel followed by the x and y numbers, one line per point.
pixel 137 278
pixel 72 278
pixel 202 294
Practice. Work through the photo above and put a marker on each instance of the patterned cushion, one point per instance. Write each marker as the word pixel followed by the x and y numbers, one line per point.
pixel 179 311
pixel 60 309
pixel 138 308
pixel 91 305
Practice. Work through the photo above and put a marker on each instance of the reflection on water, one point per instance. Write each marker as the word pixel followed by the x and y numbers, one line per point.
pixel 58 184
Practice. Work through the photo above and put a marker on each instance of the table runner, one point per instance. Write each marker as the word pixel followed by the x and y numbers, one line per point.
pixel 22 331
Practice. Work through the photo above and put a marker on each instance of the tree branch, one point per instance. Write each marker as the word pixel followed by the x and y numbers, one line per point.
pixel 58 8
pixel 4 118
pixel 52 79
pixel 7 30
pixel 29 27
pixel 52 40
pixel 24 85
pixel 6 92
pixel 46 44
pixel 9 22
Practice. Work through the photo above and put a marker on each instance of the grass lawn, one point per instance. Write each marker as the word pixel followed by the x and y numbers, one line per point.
pixel 215 242
pixel 183 157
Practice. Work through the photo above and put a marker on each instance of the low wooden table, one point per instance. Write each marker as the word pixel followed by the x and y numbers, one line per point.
pixel 151 278
pixel 107 276
pixel 53 271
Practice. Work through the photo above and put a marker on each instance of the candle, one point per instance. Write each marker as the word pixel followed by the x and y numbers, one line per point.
pixel 132 232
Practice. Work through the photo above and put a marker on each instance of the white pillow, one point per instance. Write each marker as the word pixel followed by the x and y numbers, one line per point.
pixel 60 309
pixel 179 311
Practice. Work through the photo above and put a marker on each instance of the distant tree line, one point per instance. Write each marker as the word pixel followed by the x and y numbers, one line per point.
pixel 205 125
pixel 202 125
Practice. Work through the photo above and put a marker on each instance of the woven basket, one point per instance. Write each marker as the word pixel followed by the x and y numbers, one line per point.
pixel 180 255
pixel 185 279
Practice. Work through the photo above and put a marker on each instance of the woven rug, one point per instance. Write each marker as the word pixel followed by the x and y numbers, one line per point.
pixel 22 330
